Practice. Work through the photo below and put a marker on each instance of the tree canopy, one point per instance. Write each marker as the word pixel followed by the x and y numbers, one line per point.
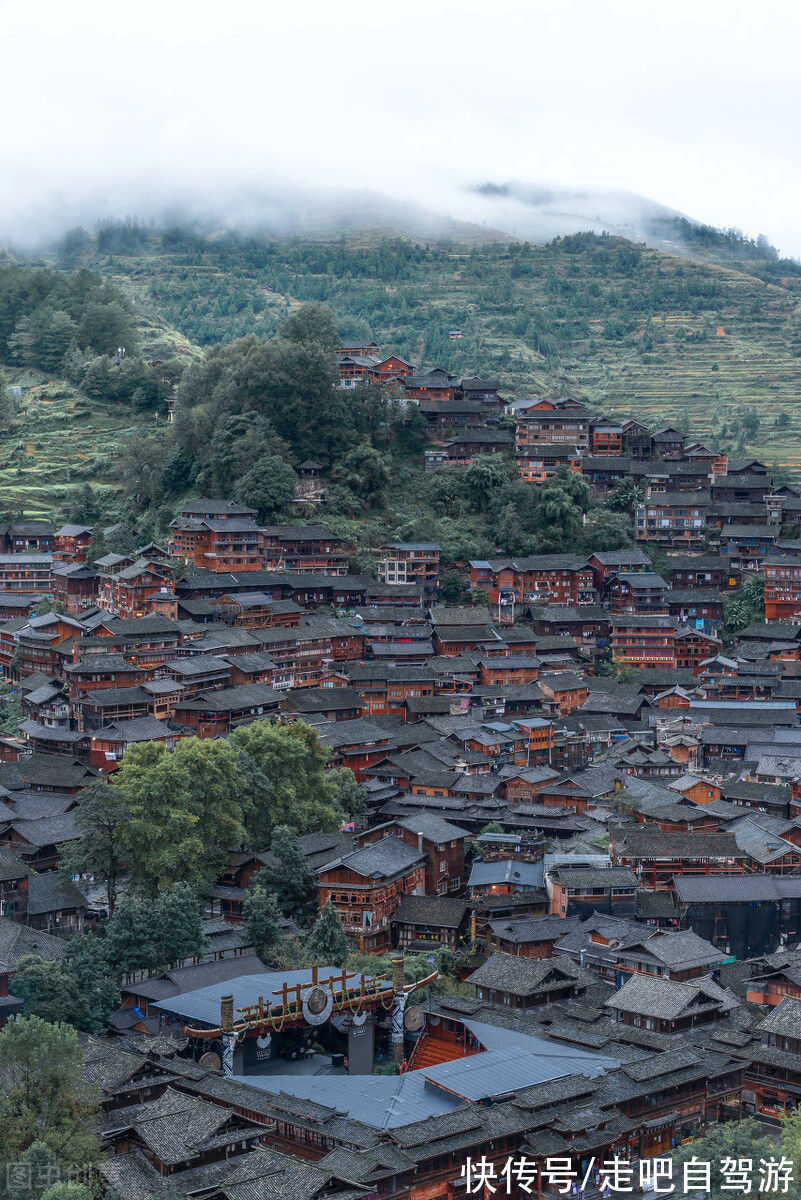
pixel 284 769
pixel 44 1098
pixel 183 811
pixel 327 943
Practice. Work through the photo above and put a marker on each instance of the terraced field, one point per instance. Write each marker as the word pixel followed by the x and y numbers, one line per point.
pixel 708 384
pixel 59 441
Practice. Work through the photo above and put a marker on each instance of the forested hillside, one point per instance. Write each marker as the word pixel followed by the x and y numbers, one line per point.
pixel 76 384
pixel 708 343
pixel 247 414
pixel 712 346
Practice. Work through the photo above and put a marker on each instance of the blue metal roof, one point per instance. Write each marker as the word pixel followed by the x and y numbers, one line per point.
pixel 203 1004
pixel 510 1061
pixel 518 1061
pixel 384 1101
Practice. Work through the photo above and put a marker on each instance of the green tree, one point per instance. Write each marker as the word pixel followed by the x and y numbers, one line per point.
pixel 741 610
pixel 269 486
pixel 659 561
pixel 97 546
pixel 46 605
pixel 453 589
pixel 290 879
pixel 735 1139
pixel 327 944
pixel 607 531
pixel 178 925
pixel 78 989
pixel 624 495
pixel 47 989
pixel 312 323
pixel 44 1099
pixel 68 1190
pixel 146 934
pixel 345 793
pixel 11 710
pixel 262 918
pixel 791 1142
pixel 287 783
pixel 273 378
pixel 183 811
pixel 72 246
pixel 87 961
pixel 242 442
pixel 130 935
pixel 31 1171
pixel 485 475
pixel 100 815
pixel 43 338
pixel 365 473
pixel 750 424
pixel 7 403
pixel 106 327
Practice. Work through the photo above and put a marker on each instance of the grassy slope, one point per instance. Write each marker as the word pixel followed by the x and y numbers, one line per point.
pixel 60 439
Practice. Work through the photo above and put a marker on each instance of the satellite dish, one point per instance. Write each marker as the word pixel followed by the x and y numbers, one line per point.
pixel 210 1059
pixel 264 1042
pixel 414 1019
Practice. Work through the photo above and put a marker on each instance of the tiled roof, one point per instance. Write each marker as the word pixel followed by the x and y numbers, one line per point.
pixel 380 860
pixel 442 911
pixel 667 999
pixel 784 1019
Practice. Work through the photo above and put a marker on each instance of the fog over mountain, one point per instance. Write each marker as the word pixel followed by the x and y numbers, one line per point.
pixel 539 213
pixel 466 213
pixel 579 110
pixel 270 208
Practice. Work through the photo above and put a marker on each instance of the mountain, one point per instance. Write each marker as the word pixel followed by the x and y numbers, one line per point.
pixel 539 213
pixel 705 340
pixel 630 329
pixel 274 210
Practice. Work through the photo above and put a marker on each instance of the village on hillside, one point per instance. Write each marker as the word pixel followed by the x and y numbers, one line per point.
pixel 553 912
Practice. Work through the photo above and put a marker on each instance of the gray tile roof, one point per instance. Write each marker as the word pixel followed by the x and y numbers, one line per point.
pixel 742 889
pixel 524 976
pixel 48 892
pixel 678 949
pixel 784 1019
pixel 17 941
pixel 649 841
pixel 433 827
pixel 579 878
pixel 442 911
pixel 506 870
pixel 531 929
pixel 47 831
pixel 665 999
pixel 380 860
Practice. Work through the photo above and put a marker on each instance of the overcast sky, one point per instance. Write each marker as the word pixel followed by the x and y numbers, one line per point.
pixel 695 104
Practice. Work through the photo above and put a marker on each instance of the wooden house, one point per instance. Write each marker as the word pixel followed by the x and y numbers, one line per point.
pixel 366 887
pixel 217 535
pixel 421 924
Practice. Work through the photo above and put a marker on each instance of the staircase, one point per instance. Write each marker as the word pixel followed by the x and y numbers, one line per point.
pixel 430 1051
